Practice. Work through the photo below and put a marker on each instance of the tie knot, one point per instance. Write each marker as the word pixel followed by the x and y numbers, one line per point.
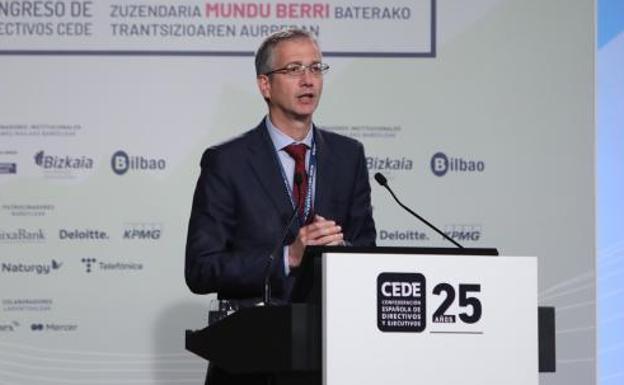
pixel 297 151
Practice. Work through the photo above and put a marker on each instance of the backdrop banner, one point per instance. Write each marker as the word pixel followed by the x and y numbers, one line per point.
pixel 480 116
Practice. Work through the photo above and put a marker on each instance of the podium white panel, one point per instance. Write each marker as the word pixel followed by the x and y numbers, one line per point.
pixel 378 320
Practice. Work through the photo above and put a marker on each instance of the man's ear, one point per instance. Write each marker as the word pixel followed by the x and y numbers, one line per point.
pixel 264 85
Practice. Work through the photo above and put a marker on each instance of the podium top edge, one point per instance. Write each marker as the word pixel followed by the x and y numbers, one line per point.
pixel 319 250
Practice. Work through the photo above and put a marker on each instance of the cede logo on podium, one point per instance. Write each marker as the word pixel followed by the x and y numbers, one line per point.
pixel 401 302
pixel 441 164
pixel 121 163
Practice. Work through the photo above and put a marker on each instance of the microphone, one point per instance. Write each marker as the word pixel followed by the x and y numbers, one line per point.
pixel 298 179
pixel 384 183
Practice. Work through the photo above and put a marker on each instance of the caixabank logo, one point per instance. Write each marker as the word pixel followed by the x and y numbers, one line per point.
pixel 30 268
pixel 22 235
pixel 442 164
pixel 121 163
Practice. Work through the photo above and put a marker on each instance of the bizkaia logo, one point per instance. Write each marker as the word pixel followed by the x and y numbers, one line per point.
pixel 441 164
pixel 121 163
pixel 62 162
pixel 22 236
pixel 82 235
pixel 32 268
pixel 389 164
pixel 142 231
pixel 8 168
pixel 463 232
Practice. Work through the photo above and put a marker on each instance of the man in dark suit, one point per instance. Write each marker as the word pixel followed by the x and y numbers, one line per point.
pixel 250 186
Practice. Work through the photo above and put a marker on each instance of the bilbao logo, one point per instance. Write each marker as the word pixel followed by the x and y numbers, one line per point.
pixel 441 164
pixel 401 302
pixel 121 163
pixel 388 164
pixel 8 168
pixel 62 162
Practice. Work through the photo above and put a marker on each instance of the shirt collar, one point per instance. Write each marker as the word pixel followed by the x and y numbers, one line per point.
pixel 281 140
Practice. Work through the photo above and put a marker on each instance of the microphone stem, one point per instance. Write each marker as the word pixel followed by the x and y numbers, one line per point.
pixel 422 219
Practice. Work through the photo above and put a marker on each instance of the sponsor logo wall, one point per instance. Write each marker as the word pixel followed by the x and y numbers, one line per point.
pixel 106 108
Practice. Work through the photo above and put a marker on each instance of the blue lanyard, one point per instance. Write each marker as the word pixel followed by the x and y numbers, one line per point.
pixel 307 207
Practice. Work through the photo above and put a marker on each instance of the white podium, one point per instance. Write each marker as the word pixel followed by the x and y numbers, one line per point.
pixel 402 319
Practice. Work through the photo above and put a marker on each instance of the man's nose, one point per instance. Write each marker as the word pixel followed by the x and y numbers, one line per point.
pixel 306 78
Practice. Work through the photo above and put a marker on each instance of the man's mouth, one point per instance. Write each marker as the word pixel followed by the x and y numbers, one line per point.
pixel 306 97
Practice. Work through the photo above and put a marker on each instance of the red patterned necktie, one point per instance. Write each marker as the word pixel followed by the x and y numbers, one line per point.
pixel 298 153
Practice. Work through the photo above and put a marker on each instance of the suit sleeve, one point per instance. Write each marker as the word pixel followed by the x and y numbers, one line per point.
pixel 361 228
pixel 213 262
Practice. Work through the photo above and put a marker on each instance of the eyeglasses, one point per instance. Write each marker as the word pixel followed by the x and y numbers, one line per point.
pixel 296 70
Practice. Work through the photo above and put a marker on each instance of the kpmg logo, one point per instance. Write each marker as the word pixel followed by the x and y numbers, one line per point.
pixel 121 163
pixel 463 232
pixel 32 268
pixel 441 164
pixel 63 162
pixel 142 231
pixel 8 168
pixel 22 235
pixel 388 164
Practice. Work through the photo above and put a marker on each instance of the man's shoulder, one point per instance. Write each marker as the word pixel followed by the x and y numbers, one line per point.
pixel 233 147
pixel 338 141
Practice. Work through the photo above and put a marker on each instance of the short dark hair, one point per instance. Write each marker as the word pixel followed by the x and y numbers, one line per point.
pixel 264 55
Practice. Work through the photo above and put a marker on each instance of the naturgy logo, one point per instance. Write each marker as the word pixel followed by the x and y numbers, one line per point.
pixel 33 268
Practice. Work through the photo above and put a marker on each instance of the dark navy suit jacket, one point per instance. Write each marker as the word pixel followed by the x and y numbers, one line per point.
pixel 241 206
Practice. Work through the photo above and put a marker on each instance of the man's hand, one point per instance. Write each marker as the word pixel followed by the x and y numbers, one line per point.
pixel 321 232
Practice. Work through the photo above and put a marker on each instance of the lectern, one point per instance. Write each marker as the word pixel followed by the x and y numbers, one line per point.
pixel 393 316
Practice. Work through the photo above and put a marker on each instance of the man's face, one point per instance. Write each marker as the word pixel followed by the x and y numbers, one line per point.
pixel 293 98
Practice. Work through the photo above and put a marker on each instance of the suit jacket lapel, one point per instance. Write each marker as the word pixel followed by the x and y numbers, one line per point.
pixel 323 174
pixel 263 160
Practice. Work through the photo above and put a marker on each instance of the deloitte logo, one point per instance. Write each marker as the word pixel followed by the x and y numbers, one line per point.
pixel 121 163
pixel 441 164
